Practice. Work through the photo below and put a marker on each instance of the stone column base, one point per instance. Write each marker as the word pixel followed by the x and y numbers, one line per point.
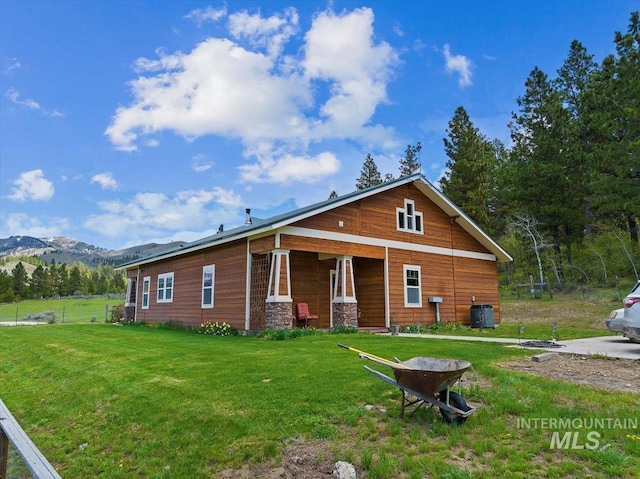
pixel 345 314
pixel 279 315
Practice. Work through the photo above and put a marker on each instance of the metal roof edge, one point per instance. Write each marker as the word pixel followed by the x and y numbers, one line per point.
pixel 285 219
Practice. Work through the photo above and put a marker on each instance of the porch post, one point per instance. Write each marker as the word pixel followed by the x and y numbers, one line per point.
pixel 278 307
pixel 131 298
pixel 345 304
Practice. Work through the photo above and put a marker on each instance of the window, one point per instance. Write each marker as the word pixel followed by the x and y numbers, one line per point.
pixel 408 219
pixel 146 287
pixel 412 289
pixel 165 288
pixel 208 275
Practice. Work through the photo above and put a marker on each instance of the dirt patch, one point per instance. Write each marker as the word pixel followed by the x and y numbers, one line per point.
pixel 301 460
pixel 606 373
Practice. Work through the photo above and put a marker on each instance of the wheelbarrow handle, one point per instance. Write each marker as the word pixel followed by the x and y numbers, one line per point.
pixel 376 359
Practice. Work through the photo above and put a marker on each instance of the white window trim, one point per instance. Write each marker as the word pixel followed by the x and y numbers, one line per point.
pixel 414 216
pixel 146 280
pixel 409 267
pixel 165 276
pixel 208 268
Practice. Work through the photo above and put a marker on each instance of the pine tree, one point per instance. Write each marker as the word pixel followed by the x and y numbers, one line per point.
pixel 571 82
pixel 469 181
pixel 613 97
pixel 540 163
pixel 410 164
pixel 369 175
pixel 19 275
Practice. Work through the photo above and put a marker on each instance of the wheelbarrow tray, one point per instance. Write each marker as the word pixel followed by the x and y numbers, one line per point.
pixel 427 379
pixel 429 376
pixel 421 398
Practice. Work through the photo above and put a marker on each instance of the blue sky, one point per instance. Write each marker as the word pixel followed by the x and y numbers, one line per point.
pixel 126 122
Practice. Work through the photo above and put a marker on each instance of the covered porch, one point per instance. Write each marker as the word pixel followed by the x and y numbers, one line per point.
pixel 341 289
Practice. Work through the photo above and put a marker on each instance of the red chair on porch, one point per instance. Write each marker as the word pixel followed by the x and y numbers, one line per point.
pixel 302 314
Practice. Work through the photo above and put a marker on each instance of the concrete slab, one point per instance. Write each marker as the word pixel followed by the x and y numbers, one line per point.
pixel 538 358
pixel 20 323
pixel 463 338
pixel 609 346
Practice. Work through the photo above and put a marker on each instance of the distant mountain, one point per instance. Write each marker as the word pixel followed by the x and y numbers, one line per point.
pixel 68 251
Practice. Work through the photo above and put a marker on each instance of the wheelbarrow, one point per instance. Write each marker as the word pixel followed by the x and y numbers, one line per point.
pixel 424 380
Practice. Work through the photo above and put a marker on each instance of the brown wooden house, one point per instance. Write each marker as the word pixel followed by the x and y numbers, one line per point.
pixel 372 258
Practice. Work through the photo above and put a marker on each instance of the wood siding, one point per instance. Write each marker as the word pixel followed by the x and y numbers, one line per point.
pixel 262 245
pixel 369 278
pixel 375 216
pixel 454 278
pixel 186 307
pixel 306 283
pixel 326 246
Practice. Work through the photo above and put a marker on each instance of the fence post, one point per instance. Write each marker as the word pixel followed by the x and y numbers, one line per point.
pixel 10 430
pixel 106 312
pixel 4 453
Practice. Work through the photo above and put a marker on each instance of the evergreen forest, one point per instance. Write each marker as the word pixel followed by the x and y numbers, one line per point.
pixel 563 198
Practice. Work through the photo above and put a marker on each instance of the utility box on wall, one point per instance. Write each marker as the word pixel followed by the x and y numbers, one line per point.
pixel 436 300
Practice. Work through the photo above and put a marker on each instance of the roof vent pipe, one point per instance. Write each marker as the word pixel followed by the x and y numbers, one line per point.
pixel 248 220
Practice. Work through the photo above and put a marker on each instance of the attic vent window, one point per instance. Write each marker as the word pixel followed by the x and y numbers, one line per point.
pixel 408 219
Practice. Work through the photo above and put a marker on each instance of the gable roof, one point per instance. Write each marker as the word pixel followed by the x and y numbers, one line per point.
pixel 260 226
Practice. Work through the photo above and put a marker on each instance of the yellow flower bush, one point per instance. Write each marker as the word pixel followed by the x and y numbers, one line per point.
pixel 215 329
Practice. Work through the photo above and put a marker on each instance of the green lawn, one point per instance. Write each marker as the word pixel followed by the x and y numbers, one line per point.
pixel 125 401
pixel 67 310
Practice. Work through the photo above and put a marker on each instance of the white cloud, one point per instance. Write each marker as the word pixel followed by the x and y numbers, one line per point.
pixel 397 29
pixel 156 214
pixel 15 98
pixel 248 89
pixel 32 185
pixel 105 180
pixel 209 14
pixel 17 224
pixel 288 169
pixel 14 65
pixel 270 33
pixel 219 88
pixel 458 64
pixel 341 51
pixel 200 163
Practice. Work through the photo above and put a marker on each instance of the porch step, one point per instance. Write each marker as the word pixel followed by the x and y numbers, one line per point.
pixel 374 329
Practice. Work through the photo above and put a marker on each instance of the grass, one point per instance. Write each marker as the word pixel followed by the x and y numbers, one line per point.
pixel 67 310
pixel 127 401
pixel 574 315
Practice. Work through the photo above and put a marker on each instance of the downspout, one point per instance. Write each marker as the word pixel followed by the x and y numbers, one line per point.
pixel 453 273
pixel 247 306
pixel 387 318
pixel 135 310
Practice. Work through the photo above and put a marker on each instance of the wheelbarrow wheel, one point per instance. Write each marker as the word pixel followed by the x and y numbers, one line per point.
pixel 456 401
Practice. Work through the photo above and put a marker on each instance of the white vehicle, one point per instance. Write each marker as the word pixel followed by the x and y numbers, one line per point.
pixel 631 319
pixel 614 321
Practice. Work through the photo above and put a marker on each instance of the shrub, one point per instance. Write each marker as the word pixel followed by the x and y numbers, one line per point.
pixel 282 334
pixel 215 329
pixel 342 330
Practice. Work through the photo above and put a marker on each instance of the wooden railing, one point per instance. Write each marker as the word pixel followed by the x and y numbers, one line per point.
pixel 10 431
